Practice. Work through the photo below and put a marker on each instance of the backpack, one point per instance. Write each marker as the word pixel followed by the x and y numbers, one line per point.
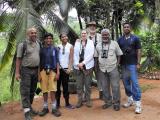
pixel 13 66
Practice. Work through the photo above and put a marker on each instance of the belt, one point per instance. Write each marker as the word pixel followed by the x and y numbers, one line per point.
pixel 36 67
pixel 51 70
pixel 63 68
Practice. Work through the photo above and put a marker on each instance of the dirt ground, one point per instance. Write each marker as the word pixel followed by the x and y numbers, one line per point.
pixel 150 100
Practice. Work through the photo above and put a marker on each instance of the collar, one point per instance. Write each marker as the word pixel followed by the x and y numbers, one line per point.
pixel 48 47
pixel 91 35
pixel 30 42
pixel 65 44
pixel 127 37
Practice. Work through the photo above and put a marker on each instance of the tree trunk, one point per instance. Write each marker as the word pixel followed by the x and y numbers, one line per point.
pixel 157 3
pixel 116 24
pixel 112 24
pixel 120 28
pixel 80 22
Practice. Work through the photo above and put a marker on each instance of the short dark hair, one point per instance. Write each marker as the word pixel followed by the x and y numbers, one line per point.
pixel 48 34
pixel 62 34
pixel 127 23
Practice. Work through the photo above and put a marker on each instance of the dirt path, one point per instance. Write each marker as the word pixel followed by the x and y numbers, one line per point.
pixel 150 98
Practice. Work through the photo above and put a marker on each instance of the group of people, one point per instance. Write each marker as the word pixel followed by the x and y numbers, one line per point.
pixel 93 54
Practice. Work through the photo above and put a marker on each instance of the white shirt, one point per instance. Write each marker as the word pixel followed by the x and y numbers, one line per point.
pixel 88 54
pixel 96 38
pixel 64 53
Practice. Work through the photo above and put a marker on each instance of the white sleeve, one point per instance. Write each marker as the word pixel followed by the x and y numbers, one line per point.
pixel 118 49
pixel 90 53
pixel 76 54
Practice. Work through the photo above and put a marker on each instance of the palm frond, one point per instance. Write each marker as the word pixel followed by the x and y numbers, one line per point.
pixel 25 17
pixel 43 5
pixel 2 22
pixel 65 6
pixel 61 26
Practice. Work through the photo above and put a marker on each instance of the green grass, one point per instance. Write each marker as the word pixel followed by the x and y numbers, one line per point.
pixel 146 87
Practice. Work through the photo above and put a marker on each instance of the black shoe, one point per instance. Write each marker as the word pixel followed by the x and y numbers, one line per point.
pixel 56 112
pixel 44 112
pixel 116 107
pixel 105 106
pixel 27 116
pixel 79 104
pixel 33 112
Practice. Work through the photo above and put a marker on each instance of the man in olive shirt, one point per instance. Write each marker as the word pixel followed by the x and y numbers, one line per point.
pixel 107 52
pixel 27 63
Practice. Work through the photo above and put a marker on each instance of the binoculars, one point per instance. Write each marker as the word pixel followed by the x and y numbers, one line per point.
pixel 104 54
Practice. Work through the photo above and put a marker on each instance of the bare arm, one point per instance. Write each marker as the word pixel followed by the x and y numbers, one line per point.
pixel 58 72
pixel 118 60
pixel 138 58
pixel 18 65
pixel 70 60
pixel 57 65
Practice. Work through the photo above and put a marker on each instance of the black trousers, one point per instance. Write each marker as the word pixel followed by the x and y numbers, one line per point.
pixel 28 85
pixel 63 80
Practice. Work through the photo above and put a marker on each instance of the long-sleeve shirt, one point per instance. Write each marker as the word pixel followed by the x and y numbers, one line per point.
pixel 88 54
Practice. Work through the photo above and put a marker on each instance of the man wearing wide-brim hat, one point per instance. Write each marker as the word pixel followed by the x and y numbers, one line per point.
pixel 96 37
pixel 92 23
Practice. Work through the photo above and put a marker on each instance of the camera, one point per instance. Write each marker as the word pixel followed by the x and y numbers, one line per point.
pixel 81 58
pixel 47 69
pixel 38 90
pixel 127 51
pixel 104 54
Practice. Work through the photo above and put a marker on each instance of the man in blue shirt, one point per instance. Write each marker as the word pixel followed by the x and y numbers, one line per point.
pixel 130 61
pixel 49 74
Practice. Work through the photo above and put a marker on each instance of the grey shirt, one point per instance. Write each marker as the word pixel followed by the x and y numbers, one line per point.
pixel 109 62
pixel 31 58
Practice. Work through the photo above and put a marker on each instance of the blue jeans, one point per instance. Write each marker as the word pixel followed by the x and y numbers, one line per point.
pixel 130 81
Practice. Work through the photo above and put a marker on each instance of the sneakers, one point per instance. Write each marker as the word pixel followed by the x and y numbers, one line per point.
pixel 56 112
pixel 70 106
pixel 89 104
pixel 138 108
pixel 27 116
pixel 129 102
pixel 44 112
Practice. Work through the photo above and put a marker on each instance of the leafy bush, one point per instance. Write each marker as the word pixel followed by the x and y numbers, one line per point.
pixel 151 49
